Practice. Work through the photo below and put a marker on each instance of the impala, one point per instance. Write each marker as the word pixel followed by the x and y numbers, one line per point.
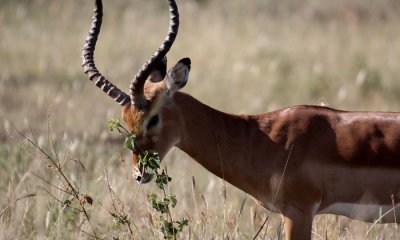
pixel 338 162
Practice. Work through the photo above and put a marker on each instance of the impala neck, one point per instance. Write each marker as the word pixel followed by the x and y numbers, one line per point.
pixel 220 142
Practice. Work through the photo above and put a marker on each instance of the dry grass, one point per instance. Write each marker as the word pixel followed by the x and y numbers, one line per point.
pixel 248 57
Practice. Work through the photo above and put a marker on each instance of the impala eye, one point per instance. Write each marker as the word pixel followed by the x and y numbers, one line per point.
pixel 152 122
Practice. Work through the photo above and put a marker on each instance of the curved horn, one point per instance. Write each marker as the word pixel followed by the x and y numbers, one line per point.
pixel 88 59
pixel 137 83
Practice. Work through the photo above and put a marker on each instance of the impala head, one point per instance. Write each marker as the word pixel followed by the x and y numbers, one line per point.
pixel 156 125
pixel 149 109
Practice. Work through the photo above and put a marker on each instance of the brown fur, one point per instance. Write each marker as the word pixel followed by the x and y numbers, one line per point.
pixel 332 156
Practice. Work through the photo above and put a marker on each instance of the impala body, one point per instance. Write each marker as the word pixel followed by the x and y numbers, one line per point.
pixel 298 161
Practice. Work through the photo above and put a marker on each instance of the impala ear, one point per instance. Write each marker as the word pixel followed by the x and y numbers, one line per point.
pixel 178 75
pixel 159 71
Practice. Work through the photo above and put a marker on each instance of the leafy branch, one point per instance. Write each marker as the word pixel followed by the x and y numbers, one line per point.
pixel 150 161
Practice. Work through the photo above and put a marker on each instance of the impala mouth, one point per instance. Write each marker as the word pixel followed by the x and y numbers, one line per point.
pixel 142 178
pixel 141 173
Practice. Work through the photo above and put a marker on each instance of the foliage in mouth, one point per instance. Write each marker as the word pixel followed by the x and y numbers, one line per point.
pixel 149 168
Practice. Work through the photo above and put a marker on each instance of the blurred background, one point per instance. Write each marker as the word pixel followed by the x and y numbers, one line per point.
pixel 247 57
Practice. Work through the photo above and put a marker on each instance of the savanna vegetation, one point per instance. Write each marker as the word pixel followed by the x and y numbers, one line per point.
pixel 73 180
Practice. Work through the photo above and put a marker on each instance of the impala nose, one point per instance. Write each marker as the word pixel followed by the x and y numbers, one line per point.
pixel 142 178
pixel 139 178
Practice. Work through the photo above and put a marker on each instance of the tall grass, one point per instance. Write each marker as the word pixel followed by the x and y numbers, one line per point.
pixel 248 57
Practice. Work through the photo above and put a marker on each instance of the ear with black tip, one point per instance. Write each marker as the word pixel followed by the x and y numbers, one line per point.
pixel 178 75
pixel 159 71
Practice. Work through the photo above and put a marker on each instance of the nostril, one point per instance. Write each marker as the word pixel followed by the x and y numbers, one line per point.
pixel 138 178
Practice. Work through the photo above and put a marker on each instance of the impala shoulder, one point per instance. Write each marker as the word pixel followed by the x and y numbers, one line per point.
pixel 292 124
pixel 302 114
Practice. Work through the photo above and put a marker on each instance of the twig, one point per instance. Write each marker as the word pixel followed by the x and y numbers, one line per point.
pixel 114 197
pixel 72 189
pixel 49 183
pixel 224 183
pixel 394 215
pixel 378 220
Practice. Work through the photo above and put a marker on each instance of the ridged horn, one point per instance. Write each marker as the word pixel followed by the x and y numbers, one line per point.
pixel 137 83
pixel 88 59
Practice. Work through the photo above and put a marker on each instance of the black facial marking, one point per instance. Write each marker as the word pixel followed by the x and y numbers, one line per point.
pixel 152 122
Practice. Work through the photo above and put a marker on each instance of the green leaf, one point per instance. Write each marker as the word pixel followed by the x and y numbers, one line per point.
pixel 160 206
pixel 120 219
pixel 182 224
pixel 130 141
pixel 143 158
pixel 113 124
pixel 150 161
pixel 162 179
pixel 171 199
pixel 154 162
pixel 149 170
